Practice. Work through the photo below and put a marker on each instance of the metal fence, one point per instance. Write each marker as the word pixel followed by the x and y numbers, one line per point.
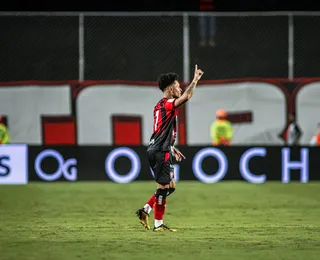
pixel 139 46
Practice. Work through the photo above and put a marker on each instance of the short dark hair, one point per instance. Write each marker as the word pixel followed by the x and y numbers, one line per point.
pixel 167 79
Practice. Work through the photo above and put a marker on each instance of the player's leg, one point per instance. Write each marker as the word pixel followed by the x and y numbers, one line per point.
pixel 172 186
pixel 163 173
pixel 150 203
pixel 160 206
pixel 163 178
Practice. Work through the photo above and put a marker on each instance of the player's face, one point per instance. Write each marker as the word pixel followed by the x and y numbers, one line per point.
pixel 176 90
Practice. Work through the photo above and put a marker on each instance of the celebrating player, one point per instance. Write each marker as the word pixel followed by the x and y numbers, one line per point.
pixel 161 148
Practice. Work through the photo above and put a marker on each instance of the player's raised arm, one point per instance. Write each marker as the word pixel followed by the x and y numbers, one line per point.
pixel 189 91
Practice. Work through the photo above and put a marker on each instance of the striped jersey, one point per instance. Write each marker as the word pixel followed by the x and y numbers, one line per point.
pixel 164 125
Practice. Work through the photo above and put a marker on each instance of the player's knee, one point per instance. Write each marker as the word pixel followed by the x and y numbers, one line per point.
pixel 170 191
pixel 172 184
pixel 162 193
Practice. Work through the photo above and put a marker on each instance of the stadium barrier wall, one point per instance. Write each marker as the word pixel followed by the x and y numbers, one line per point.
pixel 20 164
pixel 259 110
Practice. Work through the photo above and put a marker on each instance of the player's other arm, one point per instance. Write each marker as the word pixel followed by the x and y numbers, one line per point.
pixel 189 91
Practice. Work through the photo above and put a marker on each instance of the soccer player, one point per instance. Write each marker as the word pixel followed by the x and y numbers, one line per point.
pixel 161 148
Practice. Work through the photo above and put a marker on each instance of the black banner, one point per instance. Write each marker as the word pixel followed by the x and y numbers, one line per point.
pixel 206 164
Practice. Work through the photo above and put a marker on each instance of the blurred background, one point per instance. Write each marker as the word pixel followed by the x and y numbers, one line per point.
pixel 260 67
pixel 76 81
pixel 77 92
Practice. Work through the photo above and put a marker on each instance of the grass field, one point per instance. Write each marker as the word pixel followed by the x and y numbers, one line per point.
pixel 226 220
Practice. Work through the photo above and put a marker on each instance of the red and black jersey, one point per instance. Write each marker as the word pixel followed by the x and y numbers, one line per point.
pixel 164 125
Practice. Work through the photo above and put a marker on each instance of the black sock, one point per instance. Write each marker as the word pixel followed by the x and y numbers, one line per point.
pixel 171 190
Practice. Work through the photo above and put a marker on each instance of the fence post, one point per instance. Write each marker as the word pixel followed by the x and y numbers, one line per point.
pixel 186 51
pixel 81 47
pixel 290 46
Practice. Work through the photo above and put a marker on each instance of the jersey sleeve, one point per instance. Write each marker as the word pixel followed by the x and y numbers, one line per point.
pixel 169 105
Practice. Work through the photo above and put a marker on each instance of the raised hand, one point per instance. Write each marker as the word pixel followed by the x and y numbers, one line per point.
pixel 197 73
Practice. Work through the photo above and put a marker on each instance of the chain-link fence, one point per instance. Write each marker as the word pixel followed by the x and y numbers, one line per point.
pixel 38 48
pixel 140 47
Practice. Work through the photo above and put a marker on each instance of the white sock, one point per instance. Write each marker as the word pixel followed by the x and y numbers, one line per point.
pixel 158 223
pixel 147 208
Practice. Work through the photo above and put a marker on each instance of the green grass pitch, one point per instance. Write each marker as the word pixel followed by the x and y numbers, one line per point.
pixel 96 220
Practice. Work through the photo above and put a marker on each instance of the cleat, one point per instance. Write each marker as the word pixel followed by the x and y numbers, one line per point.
pixel 163 228
pixel 143 218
